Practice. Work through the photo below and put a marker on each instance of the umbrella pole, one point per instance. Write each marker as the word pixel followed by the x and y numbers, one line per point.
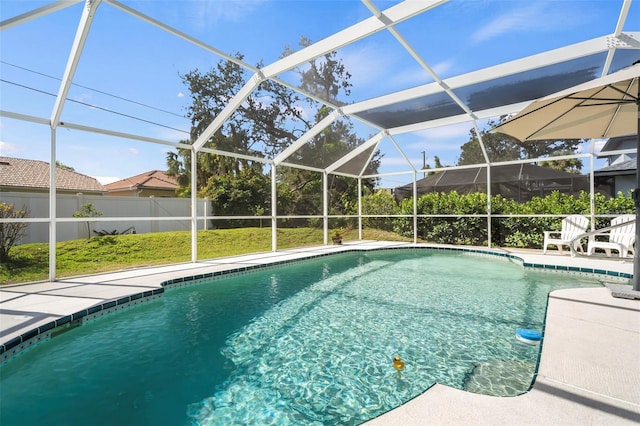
pixel 636 200
pixel 636 256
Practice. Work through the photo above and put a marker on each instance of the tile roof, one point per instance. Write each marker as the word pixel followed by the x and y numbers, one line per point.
pixel 154 179
pixel 34 174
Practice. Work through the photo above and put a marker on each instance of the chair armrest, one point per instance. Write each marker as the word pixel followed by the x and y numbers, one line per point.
pixel 547 234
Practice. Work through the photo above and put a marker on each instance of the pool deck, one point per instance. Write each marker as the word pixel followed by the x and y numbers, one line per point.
pixel 589 371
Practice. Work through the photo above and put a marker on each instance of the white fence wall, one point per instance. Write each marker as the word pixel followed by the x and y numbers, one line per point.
pixel 111 207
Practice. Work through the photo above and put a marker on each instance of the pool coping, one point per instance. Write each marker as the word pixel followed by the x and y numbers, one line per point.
pixel 149 281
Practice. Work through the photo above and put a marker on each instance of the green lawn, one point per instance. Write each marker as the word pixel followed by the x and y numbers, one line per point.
pixel 30 262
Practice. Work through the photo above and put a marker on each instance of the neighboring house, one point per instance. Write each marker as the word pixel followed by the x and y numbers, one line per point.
pixel 155 183
pixel 21 175
pixel 619 175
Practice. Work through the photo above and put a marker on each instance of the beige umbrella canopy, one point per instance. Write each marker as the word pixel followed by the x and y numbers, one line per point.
pixel 605 107
pixel 602 108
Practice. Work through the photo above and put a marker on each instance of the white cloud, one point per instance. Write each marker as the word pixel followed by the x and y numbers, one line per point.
pixel 208 13
pixel 599 144
pixel 458 131
pixel 127 152
pixel 586 146
pixel 105 180
pixel 80 148
pixel 536 16
pixel 365 64
pixel 434 147
pixel 395 161
pixel 83 97
pixel 442 67
pixel 7 148
pixel 264 100
pixel 169 135
pixel 413 77
pixel 180 95
pixel 307 111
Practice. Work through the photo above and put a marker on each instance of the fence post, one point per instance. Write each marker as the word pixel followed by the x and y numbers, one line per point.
pixel 80 225
pixel 206 213
pixel 153 213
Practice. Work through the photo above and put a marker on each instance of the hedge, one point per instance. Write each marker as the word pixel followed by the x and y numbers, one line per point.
pixel 505 232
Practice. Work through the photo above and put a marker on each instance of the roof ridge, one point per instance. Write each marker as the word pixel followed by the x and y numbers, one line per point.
pixel 30 173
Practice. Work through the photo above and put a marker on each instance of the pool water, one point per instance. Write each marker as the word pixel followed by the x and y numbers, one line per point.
pixel 309 343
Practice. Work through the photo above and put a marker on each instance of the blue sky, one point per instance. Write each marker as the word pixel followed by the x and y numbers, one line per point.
pixel 133 60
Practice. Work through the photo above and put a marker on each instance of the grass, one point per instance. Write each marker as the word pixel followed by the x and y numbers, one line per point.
pixel 30 262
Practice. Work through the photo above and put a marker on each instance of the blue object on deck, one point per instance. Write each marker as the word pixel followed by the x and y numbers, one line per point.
pixel 530 337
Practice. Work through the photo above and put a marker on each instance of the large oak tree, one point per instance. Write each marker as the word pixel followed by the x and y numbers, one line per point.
pixel 267 122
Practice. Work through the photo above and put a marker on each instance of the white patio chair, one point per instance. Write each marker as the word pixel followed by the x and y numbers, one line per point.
pixel 572 227
pixel 620 239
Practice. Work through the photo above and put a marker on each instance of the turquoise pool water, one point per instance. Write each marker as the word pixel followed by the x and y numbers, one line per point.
pixel 310 343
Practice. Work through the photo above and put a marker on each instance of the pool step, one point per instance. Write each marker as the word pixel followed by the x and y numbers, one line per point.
pixel 501 377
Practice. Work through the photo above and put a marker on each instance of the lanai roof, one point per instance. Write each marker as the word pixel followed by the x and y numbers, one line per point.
pixel 502 84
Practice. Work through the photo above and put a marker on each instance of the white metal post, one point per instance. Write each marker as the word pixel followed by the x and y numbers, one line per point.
pixel 489 205
pixel 359 208
pixel 274 209
pixel 592 183
pixel 488 163
pixel 415 209
pixel 205 209
pixel 52 208
pixel 194 205
pixel 325 206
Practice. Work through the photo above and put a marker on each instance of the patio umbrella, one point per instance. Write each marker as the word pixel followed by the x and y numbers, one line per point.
pixel 605 107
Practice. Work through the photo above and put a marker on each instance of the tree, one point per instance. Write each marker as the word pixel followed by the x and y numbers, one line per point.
pixel 437 165
pixel 87 210
pixel 248 189
pixel 327 79
pixel 570 165
pixel 269 120
pixel 502 147
pixel 12 231
pixel 437 162
pixel 256 128
pixel 61 165
pixel 303 188
pixel 324 78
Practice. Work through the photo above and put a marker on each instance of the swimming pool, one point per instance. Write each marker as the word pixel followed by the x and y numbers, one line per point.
pixel 310 343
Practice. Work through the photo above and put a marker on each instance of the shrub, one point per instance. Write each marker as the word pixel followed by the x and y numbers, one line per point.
pixel 12 231
pixel 379 203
